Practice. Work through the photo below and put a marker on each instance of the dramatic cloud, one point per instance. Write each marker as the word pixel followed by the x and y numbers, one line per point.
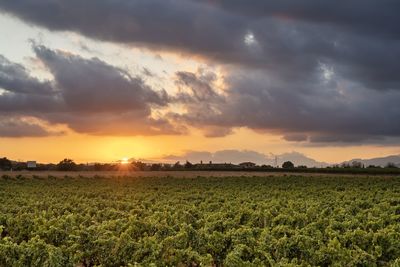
pixel 94 86
pixel 88 95
pixel 200 87
pixel 295 137
pixel 358 15
pixel 317 110
pixel 15 78
pixel 359 39
pixel 23 127
pixel 23 94
pixel 175 24
pixel 313 72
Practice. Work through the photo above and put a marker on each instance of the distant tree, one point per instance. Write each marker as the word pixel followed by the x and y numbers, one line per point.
pixel 288 165
pixel 302 167
pixel 138 165
pixel 66 165
pixel 188 165
pixel 391 165
pixel 155 167
pixel 373 167
pixel 267 166
pixel 98 167
pixel 18 166
pixel 345 165
pixel 84 167
pixel 356 164
pixel 177 165
pixel 5 164
pixel 166 166
pixel 46 167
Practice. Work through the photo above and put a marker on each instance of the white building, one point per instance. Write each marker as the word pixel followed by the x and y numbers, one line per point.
pixel 31 164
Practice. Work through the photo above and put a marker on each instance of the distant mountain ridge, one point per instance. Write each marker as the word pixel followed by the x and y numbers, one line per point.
pixel 381 161
pixel 299 159
pixel 238 156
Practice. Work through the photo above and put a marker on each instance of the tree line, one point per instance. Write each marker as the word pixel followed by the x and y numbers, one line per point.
pixel 287 166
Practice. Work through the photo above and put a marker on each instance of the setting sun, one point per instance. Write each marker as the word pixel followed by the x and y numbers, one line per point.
pixel 124 161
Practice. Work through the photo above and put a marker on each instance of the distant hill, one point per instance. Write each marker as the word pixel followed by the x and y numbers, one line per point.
pixel 299 159
pixel 383 161
pixel 238 156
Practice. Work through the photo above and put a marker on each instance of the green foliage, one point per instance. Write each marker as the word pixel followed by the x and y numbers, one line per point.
pixel 5 164
pixel 66 165
pixel 230 221
pixel 288 165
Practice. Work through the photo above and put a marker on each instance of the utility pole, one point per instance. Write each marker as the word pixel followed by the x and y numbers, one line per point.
pixel 275 161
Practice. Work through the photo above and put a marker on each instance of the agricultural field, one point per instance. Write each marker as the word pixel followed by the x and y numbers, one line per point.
pixel 197 220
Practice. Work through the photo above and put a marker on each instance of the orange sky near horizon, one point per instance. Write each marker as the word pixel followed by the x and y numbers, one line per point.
pixel 163 65
pixel 85 148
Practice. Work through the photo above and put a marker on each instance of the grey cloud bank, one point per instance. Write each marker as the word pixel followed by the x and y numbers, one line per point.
pixel 314 72
pixel 19 127
pixel 88 95
pixel 303 113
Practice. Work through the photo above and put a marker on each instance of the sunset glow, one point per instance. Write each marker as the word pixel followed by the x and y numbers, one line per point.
pixel 271 85
pixel 124 161
pixel 199 133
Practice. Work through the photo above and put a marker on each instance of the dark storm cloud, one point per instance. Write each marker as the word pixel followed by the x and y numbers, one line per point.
pixel 280 36
pixel 117 124
pixel 89 95
pixel 199 86
pixel 367 16
pixel 18 127
pixel 172 23
pixel 301 112
pixel 15 78
pixel 295 137
pixel 317 71
pixel 91 85
pixel 24 93
pixel 29 103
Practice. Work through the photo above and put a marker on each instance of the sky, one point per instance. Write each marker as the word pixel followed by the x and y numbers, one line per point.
pixel 164 79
